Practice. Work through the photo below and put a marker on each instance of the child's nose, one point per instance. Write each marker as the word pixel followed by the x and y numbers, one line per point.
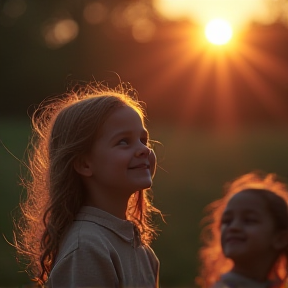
pixel 143 150
pixel 235 225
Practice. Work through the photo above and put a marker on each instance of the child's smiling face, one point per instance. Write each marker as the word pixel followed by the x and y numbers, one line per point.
pixel 247 229
pixel 120 160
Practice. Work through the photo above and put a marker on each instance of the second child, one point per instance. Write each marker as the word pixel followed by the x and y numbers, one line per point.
pixel 246 240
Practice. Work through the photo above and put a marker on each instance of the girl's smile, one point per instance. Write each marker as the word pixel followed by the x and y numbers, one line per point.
pixel 234 239
pixel 141 166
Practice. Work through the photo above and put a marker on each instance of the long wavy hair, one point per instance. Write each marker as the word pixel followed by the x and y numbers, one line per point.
pixel 213 262
pixel 64 128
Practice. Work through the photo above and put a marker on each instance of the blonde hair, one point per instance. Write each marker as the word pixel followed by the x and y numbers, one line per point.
pixel 64 128
pixel 213 262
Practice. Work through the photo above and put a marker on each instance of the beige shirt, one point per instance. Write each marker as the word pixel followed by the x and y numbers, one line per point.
pixel 235 280
pixel 101 250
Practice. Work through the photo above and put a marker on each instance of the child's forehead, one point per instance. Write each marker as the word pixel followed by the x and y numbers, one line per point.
pixel 246 200
pixel 123 119
pixel 125 112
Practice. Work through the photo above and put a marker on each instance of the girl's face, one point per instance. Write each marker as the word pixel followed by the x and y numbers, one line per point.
pixel 120 160
pixel 247 229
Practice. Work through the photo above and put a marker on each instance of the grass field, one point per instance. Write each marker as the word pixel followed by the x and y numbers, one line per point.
pixel 193 167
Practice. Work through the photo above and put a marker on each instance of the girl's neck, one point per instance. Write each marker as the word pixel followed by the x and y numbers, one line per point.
pixel 116 208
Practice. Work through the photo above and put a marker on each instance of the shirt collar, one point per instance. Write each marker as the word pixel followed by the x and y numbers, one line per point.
pixel 123 228
pixel 237 280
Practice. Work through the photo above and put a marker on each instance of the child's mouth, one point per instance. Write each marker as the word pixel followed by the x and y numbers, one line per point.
pixel 141 166
pixel 234 240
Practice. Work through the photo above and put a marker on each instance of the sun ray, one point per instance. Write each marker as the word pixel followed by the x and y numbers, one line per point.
pixel 258 86
pixel 177 61
pixel 172 63
pixel 266 62
pixel 208 80
pixel 226 114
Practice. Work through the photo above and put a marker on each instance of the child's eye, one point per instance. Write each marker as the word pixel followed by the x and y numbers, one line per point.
pixel 225 220
pixel 250 220
pixel 123 142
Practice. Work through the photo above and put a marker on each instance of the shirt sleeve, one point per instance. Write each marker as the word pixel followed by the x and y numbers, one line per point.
pixel 220 284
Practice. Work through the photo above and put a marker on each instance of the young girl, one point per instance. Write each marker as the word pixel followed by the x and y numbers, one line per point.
pixel 246 239
pixel 87 215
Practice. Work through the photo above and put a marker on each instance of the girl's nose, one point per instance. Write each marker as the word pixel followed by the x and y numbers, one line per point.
pixel 143 150
pixel 235 225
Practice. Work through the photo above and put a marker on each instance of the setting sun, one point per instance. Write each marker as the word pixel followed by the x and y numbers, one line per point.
pixel 218 31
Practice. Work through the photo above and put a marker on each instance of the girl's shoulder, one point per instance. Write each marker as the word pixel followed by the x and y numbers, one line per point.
pixel 92 227
pixel 221 284
pixel 235 280
pixel 80 236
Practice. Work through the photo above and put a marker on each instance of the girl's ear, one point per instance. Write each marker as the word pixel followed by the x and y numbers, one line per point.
pixel 281 240
pixel 81 165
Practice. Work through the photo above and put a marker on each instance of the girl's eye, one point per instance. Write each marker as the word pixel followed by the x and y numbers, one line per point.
pixel 225 221
pixel 250 220
pixel 123 142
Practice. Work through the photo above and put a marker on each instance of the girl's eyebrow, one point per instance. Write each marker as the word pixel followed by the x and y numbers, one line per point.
pixel 121 133
pixel 247 210
pixel 251 211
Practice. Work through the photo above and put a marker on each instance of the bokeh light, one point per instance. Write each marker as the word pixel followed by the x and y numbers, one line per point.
pixel 143 30
pixel 137 17
pixel 14 8
pixel 95 12
pixel 58 32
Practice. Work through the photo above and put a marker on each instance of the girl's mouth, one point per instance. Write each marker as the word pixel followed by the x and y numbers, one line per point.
pixel 234 239
pixel 141 166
